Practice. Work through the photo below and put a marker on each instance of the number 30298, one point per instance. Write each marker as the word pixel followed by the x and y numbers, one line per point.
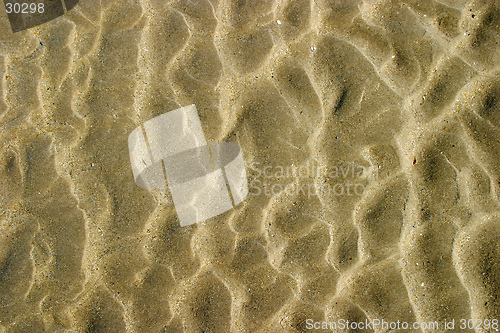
pixel 24 8
pixel 479 324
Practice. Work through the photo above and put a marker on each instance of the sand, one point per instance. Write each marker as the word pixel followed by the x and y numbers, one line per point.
pixel 370 132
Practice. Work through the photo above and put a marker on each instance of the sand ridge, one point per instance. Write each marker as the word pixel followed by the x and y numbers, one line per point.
pixel 405 93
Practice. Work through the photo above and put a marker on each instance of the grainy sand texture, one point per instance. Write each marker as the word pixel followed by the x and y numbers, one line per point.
pixel 370 133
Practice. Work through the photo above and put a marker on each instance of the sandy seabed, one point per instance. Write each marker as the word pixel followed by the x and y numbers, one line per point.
pixel 397 100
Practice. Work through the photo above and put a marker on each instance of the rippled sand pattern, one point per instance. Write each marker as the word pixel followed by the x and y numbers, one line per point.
pixel 409 90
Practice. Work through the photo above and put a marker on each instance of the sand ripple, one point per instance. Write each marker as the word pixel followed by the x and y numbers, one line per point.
pixel 399 98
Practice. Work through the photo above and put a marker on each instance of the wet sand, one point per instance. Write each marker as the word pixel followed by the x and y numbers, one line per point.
pixel 370 132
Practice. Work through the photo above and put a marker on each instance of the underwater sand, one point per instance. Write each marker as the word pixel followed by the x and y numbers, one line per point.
pixel 370 132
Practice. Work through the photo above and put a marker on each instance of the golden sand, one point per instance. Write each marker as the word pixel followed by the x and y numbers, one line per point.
pixel 385 113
